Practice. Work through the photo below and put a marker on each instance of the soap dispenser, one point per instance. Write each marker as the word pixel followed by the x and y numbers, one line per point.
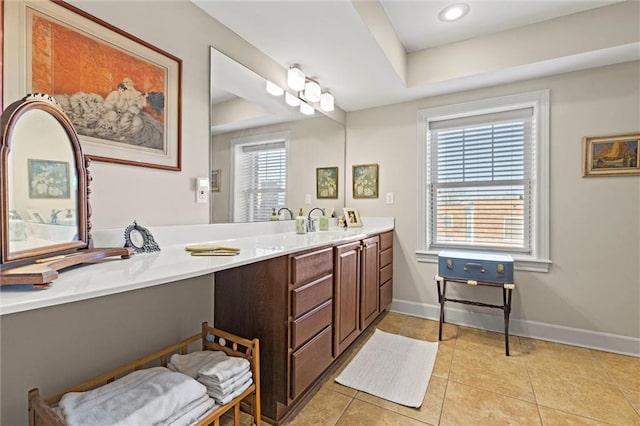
pixel 301 227
pixel 274 215
pixel 324 222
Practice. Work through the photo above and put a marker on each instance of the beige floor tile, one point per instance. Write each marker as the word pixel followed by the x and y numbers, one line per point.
pixel 552 417
pixel 442 366
pixel 476 366
pixel 325 408
pixel 563 359
pixel 624 371
pixel 360 413
pixel 428 412
pixel 490 341
pixel 466 405
pixel 426 329
pixel 582 396
pixel 392 322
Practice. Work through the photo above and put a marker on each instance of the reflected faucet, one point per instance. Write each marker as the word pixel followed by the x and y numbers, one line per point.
pixel 311 224
pixel 287 209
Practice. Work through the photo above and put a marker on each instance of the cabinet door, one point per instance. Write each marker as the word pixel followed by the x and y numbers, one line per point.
pixel 369 287
pixel 346 295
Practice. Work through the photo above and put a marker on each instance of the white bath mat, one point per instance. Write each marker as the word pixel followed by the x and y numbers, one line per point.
pixel 392 367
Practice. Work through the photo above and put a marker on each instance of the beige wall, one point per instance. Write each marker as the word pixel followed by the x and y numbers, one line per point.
pixel 593 283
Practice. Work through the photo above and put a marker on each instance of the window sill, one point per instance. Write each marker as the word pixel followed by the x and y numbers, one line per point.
pixel 521 263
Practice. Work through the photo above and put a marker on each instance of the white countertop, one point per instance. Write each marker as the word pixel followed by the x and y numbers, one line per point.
pixel 256 242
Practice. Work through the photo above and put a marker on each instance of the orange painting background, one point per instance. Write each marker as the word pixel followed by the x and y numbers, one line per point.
pixel 65 61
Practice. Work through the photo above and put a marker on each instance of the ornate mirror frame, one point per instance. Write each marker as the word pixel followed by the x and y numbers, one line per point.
pixel 39 265
pixel 8 121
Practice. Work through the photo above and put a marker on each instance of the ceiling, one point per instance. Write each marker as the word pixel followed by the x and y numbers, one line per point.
pixel 337 41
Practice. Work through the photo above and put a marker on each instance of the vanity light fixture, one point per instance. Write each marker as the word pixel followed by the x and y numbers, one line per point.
pixel 326 101
pixel 295 78
pixel 312 91
pixel 274 89
pixel 306 109
pixel 453 12
pixel 291 100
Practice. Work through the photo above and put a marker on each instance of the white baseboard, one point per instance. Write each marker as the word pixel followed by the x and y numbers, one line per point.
pixel 536 330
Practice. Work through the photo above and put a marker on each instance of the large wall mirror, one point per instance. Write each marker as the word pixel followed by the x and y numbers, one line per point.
pixel 253 130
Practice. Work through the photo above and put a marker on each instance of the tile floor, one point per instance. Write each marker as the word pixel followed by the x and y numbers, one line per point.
pixel 474 383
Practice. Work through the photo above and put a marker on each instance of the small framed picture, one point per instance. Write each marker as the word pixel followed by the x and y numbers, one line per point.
pixel 35 216
pixel 352 217
pixel 611 155
pixel 326 182
pixel 365 181
pixel 216 176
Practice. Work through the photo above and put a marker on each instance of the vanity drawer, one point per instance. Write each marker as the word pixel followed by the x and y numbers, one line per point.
pixel 311 295
pixel 386 294
pixel 386 257
pixel 310 324
pixel 307 266
pixel 386 240
pixel 386 273
pixel 310 361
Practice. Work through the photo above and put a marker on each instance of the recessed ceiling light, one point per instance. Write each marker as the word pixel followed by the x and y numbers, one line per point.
pixel 453 12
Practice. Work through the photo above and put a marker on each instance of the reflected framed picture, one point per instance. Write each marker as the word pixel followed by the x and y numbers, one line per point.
pixel 365 181
pixel 34 215
pixel 611 155
pixel 352 217
pixel 216 176
pixel 48 179
pixel 326 182
pixel 121 93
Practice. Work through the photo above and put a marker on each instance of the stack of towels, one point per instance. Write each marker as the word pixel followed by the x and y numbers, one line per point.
pixel 155 396
pixel 224 377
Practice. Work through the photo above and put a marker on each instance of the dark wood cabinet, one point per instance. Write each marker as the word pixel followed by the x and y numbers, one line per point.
pixel 306 308
pixel 386 270
pixel 346 296
pixel 369 285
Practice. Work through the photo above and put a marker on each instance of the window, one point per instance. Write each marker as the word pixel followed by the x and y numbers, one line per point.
pixel 260 176
pixel 484 178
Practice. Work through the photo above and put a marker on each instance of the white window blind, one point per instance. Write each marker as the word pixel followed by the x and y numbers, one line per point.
pixel 260 179
pixel 479 179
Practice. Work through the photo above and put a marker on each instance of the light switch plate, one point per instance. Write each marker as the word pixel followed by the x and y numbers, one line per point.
pixel 202 190
pixel 307 199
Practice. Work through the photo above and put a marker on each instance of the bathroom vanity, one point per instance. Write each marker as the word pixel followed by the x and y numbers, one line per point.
pixel 96 316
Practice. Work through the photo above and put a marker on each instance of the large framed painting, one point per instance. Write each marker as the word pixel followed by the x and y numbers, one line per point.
pixel 122 94
pixel 611 155
pixel 365 181
pixel 326 182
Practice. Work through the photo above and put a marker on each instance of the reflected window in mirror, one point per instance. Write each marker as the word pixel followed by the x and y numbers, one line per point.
pixel 259 176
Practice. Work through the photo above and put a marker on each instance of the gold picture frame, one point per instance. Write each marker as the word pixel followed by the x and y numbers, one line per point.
pixel 617 155
pixel 352 217
pixel 326 182
pixel 216 176
pixel 365 181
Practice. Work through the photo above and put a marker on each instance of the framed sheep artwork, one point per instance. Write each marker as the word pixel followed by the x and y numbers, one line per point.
pixel 121 94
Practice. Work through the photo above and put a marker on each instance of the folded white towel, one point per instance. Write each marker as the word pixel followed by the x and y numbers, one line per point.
pixel 226 386
pixel 228 396
pixel 191 363
pixel 149 396
pixel 222 370
pixel 193 412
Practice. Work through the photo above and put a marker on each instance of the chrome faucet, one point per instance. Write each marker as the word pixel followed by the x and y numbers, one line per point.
pixel 311 223
pixel 287 209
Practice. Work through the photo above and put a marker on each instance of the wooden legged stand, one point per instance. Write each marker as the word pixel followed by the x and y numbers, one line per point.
pixel 507 290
